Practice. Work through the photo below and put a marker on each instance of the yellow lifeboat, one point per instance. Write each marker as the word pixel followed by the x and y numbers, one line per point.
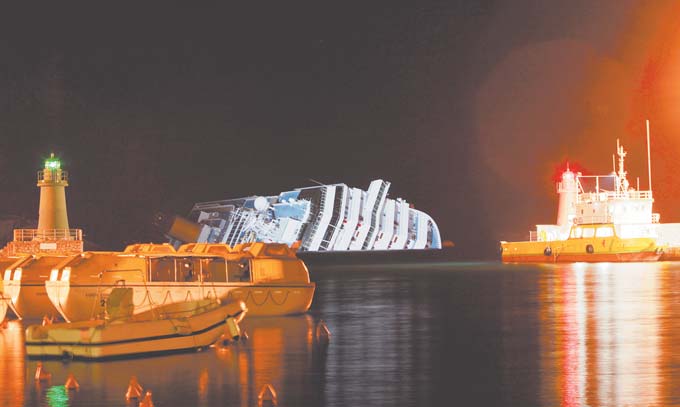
pixel 268 278
pixel 170 328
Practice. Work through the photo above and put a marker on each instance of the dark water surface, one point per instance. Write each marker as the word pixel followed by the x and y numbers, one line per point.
pixel 437 334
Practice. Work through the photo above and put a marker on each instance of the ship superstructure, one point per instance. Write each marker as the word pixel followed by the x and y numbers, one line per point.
pixel 593 199
pixel 321 218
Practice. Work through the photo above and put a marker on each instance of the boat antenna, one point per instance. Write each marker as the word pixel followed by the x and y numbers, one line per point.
pixel 317 182
pixel 649 160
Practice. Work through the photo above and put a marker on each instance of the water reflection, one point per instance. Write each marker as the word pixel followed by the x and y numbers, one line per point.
pixel 605 335
pixel 430 334
pixel 12 351
pixel 280 351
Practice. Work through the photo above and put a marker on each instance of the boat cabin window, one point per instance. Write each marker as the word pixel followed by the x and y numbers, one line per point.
pixel 239 271
pixel 604 231
pixel 576 233
pixel 162 269
pixel 588 232
pixel 214 270
pixel 188 269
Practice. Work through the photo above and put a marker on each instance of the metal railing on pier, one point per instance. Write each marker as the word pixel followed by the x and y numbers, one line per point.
pixel 27 235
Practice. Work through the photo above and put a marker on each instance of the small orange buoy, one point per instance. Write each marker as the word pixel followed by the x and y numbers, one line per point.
pixel 42 374
pixel 71 382
pixel 267 396
pixel 134 390
pixel 148 401
pixel 323 335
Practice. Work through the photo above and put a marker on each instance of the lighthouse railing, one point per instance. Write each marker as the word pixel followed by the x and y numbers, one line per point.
pixel 52 175
pixel 27 235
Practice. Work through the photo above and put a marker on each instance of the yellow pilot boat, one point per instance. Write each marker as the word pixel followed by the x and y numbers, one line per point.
pixel 586 243
pixel 600 218
pixel 268 278
pixel 174 327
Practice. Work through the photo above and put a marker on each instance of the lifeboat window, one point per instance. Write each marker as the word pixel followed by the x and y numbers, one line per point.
pixel 214 270
pixel 188 269
pixel 162 269
pixel 604 231
pixel 239 271
pixel 576 233
pixel 588 232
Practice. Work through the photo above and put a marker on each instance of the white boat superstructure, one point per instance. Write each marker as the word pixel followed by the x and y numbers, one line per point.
pixel 322 218
pixel 600 199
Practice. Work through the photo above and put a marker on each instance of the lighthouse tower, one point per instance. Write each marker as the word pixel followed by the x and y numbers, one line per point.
pixel 52 181
pixel 53 235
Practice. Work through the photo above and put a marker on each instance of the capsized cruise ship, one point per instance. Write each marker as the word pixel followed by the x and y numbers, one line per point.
pixel 321 218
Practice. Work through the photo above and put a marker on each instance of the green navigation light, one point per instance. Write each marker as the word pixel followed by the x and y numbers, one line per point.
pixel 52 163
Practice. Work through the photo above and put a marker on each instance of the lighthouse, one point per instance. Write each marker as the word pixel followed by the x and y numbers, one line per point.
pixel 52 181
pixel 53 235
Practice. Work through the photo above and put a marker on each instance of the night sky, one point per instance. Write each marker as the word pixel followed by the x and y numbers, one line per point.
pixel 467 107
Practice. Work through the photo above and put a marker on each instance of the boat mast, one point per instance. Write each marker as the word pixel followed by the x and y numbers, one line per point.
pixel 622 184
pixel 649 160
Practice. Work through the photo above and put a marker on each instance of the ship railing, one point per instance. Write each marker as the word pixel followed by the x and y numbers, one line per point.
pixel 27 235
pixel 580 220
pixel 610 195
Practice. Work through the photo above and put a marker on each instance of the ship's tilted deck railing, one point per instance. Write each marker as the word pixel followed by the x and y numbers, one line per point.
pixel 27 235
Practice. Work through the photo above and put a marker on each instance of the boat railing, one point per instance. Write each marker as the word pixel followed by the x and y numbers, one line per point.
pixel 581 220
pixel 27 235
pixel 612 195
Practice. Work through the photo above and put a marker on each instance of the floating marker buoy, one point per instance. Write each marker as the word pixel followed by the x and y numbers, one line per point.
pixel 134 390
pixel 42 374
pixel 323 335
pixel 267 396
pixel 71 382
pixel 47 320
pixel 148 401
pixel 233 329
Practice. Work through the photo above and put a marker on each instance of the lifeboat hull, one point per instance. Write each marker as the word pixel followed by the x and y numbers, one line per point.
pixel 3 307
pixel 83 302
pixel 179 328
pixel 30 301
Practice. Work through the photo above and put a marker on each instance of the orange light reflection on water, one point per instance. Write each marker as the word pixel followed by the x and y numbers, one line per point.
pixel 12 381
pixel 603 332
